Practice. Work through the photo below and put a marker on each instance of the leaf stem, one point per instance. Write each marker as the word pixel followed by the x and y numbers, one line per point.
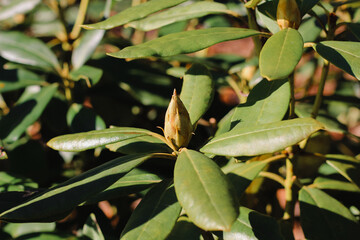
pixel 319 94
pixel 253 25
pixel 274 177
pixel 289 180
pixel 79 19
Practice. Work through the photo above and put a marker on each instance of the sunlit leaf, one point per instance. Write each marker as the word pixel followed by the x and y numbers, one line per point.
pixel 16 7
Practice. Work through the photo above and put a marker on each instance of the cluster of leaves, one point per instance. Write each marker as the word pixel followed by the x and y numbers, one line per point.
pixel 60 87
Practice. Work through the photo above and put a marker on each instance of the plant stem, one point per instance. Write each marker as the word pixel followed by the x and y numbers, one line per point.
pixel 273 177
pixel 253 25
pixel 290 203
pixel 79 19
pixel 320 91
pixel 292 96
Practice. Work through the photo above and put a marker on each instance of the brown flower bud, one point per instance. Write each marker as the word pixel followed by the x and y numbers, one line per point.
pixel 178 128
pixel 288 14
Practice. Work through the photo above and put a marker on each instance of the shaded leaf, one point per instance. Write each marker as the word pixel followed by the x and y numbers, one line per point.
pixel 82 119
pixel 322 216
pixel 134 13
pixel 184 229
pixel 266 103
pixel 10 182
pixel 155 216
pixel 204 191
pixel 19 48
pixel 176 14
pixel 354 29
pixel 49 236
pixel 280 54
pixel 17 7
pixel 26 112
pixel 55 203
pixel 241 175
pixel 197 91
pixel 140 144
pixel 252 225
pixel 92 229
pixel 331 184
pixel 261 139
pixel 16 79
pixel 19 229
pixel 184 42
pixel 304 110
pixel 345 55
pixel 90 74
pixel 347 166
pixel 93 139
pixel 134 181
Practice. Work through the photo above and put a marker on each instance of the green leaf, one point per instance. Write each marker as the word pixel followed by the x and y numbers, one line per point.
pixel 261 139
pixel 204 191
pixel 267 102
pixel 134 181
pixel 55 203
pixel 87 45
pixel 197 91
pixel 25 113
pixel 82 119
pixel 19 48
pixel 91 75
pixel 354 28
pixel 19 229
pixel 280 54
pixel 16 7
pixel 304 110
pixel 306 6
pixel 184 42
pixel 10 183
pixel 310 29
pixel 343 54
pixel 92 229
pixel 331 184
pixel 134 13
pixel 241 175
pixel 48 236
pixel 16 79
pixel 251 225
pixel 184 229
pixel 93 139
pixel 176 14
pixel 323 217
pixel 155 216
pixel 347 166
pixel 140 144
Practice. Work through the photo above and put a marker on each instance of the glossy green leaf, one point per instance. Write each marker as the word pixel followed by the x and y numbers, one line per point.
pixel 16 7
pixel 16 79
pixel 310 29
pixel 91 75
pixel 266 103
pixel 343 54
pixel 280 54
pixel 93 139
pixel 184 42
pixel 155 216
pixel 82 119
pixel 19 48
pixel 304 110
pixel 134 181
pixel 25 113
pixel 241 175
pixel 92 229
pixel 251 225
pixel 184 229
pixel 204 192
pixel 140 144
pixel 347 166
pixel 176 14
pixel 87 45
pixel 261 139
pixel 134 13
pixel 197 91
pixel 322 216
pixel 331 184
pixel 55 203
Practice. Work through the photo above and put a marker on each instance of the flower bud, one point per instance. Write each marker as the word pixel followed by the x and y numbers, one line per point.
pixel 288 14
pixel 178 127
